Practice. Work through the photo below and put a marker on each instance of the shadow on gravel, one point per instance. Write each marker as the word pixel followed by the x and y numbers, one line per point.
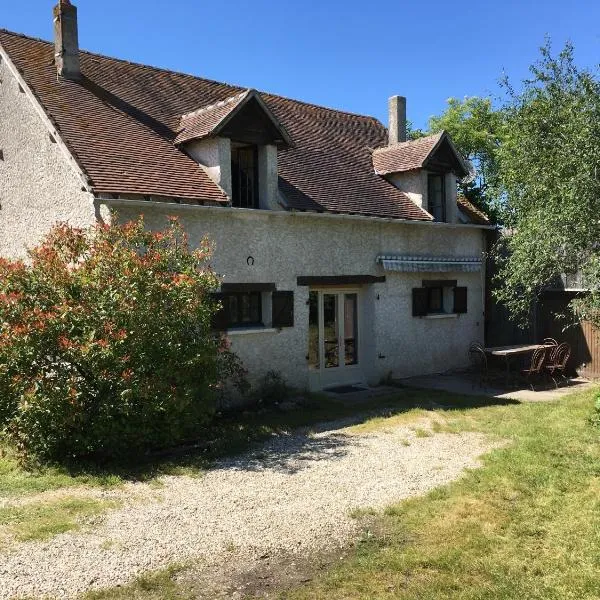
pixel 291 453
pixel 286 433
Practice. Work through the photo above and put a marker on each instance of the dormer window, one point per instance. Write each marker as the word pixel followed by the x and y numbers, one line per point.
pixel 236 139
pixel 436 196
pixel 426 170
pixel 244 176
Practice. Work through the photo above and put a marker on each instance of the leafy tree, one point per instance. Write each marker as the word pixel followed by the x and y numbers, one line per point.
pixel 105 342
pixel 477 130
pixel 549 165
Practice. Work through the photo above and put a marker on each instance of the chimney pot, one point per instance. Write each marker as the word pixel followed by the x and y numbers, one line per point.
pixel 396 119
pixel 66 40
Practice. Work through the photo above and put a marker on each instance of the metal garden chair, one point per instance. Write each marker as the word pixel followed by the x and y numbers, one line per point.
pixel 479 364
pixel 536 367
pixel 557 365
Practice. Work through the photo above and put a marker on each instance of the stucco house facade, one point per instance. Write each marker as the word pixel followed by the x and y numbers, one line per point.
pixel 345 253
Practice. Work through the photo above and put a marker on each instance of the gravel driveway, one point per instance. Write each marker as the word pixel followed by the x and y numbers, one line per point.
pixel 293 495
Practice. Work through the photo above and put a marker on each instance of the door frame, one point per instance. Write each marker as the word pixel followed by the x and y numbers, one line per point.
pixel 323 377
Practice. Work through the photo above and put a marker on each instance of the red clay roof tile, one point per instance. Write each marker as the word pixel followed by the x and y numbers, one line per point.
pixel 471 211
pixel 405 156
pixel 202 122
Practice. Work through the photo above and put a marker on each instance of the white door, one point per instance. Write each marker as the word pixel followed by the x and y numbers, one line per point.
pixel 333 338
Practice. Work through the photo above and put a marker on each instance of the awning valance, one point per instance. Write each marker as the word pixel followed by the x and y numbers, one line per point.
pixel 430 264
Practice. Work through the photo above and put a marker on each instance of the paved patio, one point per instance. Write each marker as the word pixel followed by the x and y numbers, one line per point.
pixel 463 384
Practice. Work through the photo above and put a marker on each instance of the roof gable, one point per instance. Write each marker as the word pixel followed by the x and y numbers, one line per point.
pixel 244 117
pixel 436 152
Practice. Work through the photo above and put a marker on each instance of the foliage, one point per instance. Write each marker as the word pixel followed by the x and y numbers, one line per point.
pixel 272 389
pixel 550 172
pixel 105 342
pixel 476 128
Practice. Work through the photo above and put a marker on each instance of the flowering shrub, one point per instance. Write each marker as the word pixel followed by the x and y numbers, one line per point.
pixel 105 342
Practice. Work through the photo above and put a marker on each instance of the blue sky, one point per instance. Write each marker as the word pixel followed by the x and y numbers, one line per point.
pixel 346 54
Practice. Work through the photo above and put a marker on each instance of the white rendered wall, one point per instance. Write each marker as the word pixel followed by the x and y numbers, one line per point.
pixel 38 185
pixel 214 154
pixel 287 245
pixel 414 185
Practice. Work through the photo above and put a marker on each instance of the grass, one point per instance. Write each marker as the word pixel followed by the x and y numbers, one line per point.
pixel 231 434
pixel 41 521
pixel 525 525
pixel 161 585
pixel 16 481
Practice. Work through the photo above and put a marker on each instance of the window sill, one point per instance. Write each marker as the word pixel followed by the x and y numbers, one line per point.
pixel 251 330
pixel 441 316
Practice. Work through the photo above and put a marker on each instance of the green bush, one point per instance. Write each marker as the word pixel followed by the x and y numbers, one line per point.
pixel 271 389
pixel 106 346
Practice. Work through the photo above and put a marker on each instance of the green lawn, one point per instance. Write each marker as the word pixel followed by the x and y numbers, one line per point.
pixel 43 520
pixel 526 525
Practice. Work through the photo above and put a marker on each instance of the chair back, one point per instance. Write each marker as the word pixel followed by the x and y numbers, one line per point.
pixel 538 358
pixel 477 355
pixel 561 356
pixel 550 342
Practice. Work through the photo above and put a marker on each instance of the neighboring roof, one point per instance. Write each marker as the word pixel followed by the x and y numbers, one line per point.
pixel 415 154
pixel 475 215
pixel 121 120
pixel 210 120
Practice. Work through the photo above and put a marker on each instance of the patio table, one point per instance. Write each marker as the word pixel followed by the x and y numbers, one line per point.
pixel 509 352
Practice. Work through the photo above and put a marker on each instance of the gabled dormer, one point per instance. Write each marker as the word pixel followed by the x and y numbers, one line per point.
pixel 236 140
pixel 425 169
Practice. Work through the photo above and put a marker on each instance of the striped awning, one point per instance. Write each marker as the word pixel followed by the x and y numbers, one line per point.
pixel 430 264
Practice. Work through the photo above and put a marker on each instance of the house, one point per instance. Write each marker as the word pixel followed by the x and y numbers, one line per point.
pixel 344 252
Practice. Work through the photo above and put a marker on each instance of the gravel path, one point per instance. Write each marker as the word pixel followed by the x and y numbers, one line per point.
pixel 293 495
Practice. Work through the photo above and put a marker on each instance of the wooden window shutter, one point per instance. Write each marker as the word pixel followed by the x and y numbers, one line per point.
pixel 220 319
pixel 460 300
pixel 420 298
pixel 283 309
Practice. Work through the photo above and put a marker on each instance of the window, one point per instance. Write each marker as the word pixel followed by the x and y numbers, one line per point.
pixel 253 305
pixel 244 176
pixel 438 297
pixel 435 300
pixel 436 196
pixel 243 308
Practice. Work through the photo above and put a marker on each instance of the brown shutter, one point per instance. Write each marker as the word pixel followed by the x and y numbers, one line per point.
pixel 460 300
pixel 220 319
pixel 419 301
pixel 283 309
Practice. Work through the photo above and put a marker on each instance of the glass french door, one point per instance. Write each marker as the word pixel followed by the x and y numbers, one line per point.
pixel 333 343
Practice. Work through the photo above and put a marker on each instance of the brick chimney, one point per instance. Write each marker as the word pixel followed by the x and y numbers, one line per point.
pixel 396 119
pixel 66 40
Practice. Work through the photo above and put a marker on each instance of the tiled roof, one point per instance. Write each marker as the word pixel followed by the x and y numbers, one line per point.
pixel 120 154
pixel 202 122
pixel 471 211
pixel 122 119
pixel 405 156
